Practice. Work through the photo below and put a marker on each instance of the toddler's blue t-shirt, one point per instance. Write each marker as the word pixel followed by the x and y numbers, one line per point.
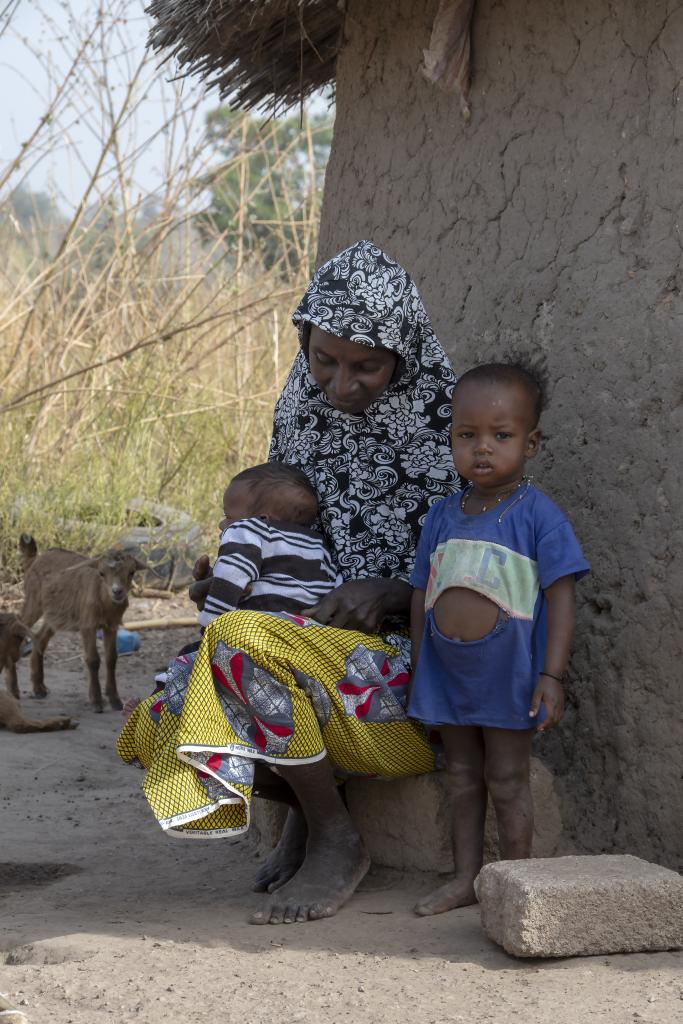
pixel 509 554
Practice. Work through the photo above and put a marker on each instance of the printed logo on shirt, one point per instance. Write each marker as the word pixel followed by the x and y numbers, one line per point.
pixel 507 578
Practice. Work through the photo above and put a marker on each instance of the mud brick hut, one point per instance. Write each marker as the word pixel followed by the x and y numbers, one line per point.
pixel 540 206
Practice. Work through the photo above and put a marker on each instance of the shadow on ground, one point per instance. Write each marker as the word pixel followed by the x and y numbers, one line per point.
pixel 96 899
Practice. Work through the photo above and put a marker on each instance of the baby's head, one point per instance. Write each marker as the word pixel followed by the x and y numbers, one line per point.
pixel 272 489
pixel 496 410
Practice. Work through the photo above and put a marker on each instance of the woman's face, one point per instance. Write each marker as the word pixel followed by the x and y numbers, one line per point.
pixel 351 375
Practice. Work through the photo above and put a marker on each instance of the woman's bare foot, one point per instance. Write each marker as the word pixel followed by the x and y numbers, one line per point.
pixel 287 857
pixel 326 880
pixel 458 893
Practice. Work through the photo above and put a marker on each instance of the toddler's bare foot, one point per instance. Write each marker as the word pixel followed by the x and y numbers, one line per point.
pixel 129 707
pixel 458 893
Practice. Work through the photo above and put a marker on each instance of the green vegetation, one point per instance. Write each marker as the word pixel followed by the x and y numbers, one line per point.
pixel 267 189
pixel 144 339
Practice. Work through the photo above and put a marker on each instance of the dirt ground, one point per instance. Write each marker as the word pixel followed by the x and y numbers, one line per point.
pixel 104 918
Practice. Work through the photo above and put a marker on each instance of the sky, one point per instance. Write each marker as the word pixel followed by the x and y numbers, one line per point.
pixel 39 40
pixel 37 47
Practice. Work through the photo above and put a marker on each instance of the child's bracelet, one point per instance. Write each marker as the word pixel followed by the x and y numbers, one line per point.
pixel 560 679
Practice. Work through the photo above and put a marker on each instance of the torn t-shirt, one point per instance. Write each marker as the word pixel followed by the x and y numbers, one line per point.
pixel 509 554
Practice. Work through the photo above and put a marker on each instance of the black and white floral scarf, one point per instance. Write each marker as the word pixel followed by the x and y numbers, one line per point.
pixel 375 474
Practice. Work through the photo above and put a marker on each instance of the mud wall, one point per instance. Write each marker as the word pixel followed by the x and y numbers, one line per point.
pixel 553 221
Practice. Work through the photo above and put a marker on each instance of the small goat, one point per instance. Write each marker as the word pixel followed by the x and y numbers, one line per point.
pixel 13 635
pixel 78 594
pixel 12 718
pixel 13 639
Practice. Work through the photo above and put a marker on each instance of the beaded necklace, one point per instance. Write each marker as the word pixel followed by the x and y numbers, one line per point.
pixel 505 493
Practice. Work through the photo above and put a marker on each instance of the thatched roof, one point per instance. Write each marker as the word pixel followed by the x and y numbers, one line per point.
pixel 274 53
pixel 259 53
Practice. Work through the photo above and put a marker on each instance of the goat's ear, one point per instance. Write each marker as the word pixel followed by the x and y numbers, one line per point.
pixel 139 565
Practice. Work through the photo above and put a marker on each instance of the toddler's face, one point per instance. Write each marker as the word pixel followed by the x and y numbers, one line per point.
pixel 491 433
pixel 238 503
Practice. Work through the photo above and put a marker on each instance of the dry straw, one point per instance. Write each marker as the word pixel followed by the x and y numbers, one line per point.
pixel 270 54
pixel 135 358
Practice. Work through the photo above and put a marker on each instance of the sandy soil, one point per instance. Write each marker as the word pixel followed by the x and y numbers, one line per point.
pixel 106 919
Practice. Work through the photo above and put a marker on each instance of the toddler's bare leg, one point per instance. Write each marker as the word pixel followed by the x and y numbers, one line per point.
pixel 508 754
pixel 464 748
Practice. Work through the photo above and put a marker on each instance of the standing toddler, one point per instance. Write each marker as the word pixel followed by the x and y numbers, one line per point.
pixel 492 618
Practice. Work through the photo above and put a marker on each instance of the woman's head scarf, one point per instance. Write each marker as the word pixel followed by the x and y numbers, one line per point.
pixel 376 474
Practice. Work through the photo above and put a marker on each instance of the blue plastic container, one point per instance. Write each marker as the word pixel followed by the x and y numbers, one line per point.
pixel 126 641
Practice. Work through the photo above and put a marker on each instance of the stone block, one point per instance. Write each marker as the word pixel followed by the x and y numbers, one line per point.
pixel 267 822
pixel 405 823
pixel 581 906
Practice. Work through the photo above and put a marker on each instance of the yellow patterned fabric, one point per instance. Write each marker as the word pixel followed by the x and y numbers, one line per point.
pixel 276 688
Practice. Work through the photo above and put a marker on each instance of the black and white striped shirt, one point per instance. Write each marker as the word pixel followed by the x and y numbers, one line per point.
pixel 268 566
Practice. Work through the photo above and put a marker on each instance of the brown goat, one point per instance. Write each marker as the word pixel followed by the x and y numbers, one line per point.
pixel 13 635
pixel 78 594
pixel 12 718
pixel 13 638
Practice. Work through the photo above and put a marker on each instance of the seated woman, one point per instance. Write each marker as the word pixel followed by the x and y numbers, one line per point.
pixel 321 696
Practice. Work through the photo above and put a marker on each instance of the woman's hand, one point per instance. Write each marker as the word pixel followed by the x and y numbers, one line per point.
pixel 361 604
pixel 199 589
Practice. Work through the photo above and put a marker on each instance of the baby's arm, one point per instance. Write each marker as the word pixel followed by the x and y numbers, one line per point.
pixel 417 624
pixel 129 707
pixel 561 621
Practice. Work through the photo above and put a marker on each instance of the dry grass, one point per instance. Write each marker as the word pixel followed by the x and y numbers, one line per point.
pixel 134 361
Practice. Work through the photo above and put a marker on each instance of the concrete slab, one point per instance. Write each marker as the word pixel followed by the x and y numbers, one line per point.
pixel 580 906
pixel 267 821
pixel 405 823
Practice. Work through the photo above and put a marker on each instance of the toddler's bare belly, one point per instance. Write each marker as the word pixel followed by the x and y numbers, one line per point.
pixel 463 614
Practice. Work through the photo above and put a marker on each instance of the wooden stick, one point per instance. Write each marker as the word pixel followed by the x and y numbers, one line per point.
pixel 9 1013
pixel 153 592
pixel 160 624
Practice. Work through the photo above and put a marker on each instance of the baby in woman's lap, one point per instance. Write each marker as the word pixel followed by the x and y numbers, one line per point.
pixel 270 557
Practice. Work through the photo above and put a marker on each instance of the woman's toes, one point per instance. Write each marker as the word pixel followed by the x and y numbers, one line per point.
pixel 277 915
pixel 423 909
